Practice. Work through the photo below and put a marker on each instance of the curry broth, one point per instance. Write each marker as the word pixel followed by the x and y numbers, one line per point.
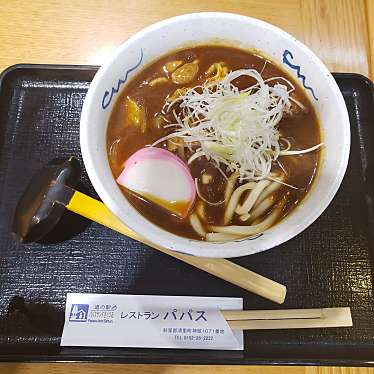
pixel 123 138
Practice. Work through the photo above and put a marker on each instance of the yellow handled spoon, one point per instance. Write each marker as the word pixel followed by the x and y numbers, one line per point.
pixel 52 190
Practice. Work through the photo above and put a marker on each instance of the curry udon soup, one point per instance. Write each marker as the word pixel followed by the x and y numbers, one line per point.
pixel 213 143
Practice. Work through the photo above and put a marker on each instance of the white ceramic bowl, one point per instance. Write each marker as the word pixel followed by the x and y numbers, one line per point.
pixel 240 31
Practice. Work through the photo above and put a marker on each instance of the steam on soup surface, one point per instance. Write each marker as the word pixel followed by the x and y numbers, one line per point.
pixel 241 129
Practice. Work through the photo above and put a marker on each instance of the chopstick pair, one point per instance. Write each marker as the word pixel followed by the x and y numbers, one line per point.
pixel 288 318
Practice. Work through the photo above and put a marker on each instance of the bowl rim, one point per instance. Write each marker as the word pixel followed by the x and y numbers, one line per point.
pixel 190 246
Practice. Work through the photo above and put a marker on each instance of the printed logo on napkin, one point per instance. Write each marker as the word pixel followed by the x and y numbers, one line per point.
pixel 150 322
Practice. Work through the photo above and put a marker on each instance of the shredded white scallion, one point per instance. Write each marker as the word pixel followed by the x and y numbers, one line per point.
pixel 292 153
pixel 236 129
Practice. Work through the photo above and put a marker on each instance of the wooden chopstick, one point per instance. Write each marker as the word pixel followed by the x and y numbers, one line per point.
pixel 96 211
pixel 243 315
pixel 235 274
pixel 288 319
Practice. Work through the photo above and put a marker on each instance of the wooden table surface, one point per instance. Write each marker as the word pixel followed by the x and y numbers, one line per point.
pixel 340 32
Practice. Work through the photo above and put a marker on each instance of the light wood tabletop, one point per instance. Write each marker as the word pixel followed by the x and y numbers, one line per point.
pixel 340 32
